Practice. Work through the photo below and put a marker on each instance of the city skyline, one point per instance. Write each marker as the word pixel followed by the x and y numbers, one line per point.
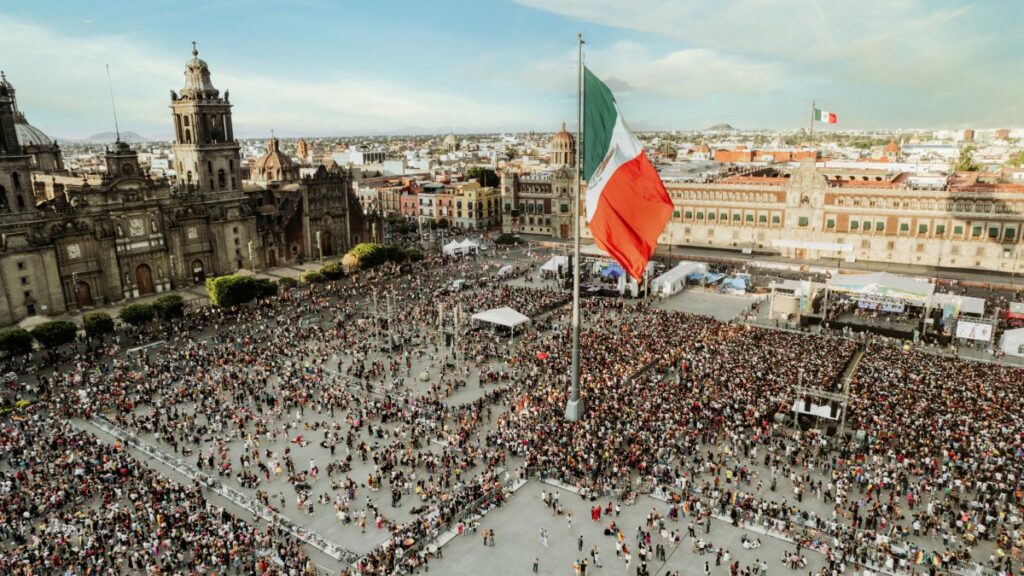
pixel 311 68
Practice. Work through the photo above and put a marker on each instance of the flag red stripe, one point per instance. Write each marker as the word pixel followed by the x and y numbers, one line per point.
pixel 631 213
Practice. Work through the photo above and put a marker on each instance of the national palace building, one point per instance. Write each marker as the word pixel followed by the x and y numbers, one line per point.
pixel 73 241
pixel 808 212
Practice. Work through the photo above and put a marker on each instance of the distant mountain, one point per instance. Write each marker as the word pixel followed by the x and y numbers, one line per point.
pixel 130 137
pixel 721 128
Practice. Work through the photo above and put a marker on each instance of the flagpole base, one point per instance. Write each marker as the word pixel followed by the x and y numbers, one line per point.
pixel 574 410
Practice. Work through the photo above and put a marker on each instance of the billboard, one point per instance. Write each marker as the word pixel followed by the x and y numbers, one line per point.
pixel 973 330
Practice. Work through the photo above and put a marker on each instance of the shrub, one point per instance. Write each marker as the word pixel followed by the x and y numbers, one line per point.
pixel 15 341
pixel 97 324
pixel 264 288
pixel 350 261
pixel 287 283
pixel 413 254
pixel 137 314
pixel 368 255
pixel 55 333
pixel 333 271
pixel 312 277
pixel 507 239
pixel 169 307
pixel 231 290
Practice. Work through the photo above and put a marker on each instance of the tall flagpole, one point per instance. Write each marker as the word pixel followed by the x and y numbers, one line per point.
pixel 574 407
pixel 813 108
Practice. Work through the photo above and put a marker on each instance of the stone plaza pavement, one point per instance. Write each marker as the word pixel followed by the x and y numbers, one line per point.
pixel 517 527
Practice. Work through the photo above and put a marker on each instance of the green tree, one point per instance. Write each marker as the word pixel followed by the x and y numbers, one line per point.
pixel 312 277
pixel 137 314
pixel 485 176
pixel 55 333
pixel 169 307
pixel 98 324
pixel 1017 160
pixel 15 341
pixel 231 290
pixel 287 283
pixel 507 239
pixel 333 271
pixel 264 288
pixel 413 254
pixel 965 163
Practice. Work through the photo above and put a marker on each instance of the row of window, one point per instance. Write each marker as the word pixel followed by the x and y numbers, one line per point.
pixel 723 196
pixel 932 205
pixel 977 231
pixel 759 218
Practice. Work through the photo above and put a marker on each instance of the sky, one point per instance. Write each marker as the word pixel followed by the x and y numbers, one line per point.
pixel 340 67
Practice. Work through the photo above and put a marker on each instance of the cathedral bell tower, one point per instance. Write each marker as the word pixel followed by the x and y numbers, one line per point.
pixel 206 155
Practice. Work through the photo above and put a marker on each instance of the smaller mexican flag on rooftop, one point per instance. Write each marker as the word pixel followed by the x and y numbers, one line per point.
pixel 627 204
pixel 825 116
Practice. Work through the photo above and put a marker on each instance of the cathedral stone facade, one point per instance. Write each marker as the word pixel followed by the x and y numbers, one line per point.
pixel 70 245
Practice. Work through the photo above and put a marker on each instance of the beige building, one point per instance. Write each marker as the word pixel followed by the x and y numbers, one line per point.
pixel 809 213
pixel 541 202
pixel 475 206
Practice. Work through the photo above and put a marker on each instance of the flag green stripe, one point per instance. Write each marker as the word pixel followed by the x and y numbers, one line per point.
pixel 599 117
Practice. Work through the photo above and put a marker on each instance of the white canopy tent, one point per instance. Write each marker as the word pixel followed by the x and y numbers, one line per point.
pixel 883 285
pixel 556 264
pixel 452 248
pixel 503 316
pixel 674 280
pixel 1012 343
pixel 455 248
pixel 593 250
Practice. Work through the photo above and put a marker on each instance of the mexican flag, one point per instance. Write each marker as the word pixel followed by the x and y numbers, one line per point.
pixel 825 116
pixel 627 205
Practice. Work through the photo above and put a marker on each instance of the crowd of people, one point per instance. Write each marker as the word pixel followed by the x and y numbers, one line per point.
pixel 295 401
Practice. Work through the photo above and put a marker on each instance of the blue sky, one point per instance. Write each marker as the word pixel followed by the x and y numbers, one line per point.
pixel 320 67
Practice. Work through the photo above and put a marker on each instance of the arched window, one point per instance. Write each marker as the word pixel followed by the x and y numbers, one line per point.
pixel 16 180
pixel 21 202
pixel 127 170
pixel 188 176
pixel 221 178
pixel 188 135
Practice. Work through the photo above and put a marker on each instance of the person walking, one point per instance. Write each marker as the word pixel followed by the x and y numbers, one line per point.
pixel 536 564
pixel 579 543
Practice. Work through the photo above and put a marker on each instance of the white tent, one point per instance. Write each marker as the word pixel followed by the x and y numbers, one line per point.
pixel 674 280
pixel 452 248
pixel 503 316
pixel 555 264
pixel 468 245
pixel 1013 342
pixel 883 285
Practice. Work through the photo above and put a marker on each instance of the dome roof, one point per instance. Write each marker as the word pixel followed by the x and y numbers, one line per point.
pixel 892 146
pixel 562 137
pixel 197 75
pixel 29 135
pixel 274 159
pixel 451 139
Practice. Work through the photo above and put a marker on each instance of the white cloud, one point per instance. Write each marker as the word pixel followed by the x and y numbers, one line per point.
pixel 62 79
pixel 691 74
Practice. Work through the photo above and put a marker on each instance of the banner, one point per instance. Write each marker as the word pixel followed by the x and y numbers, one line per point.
pixel 973 331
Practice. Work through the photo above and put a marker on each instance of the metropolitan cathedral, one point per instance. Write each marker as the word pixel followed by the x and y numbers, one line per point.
pixel 68 242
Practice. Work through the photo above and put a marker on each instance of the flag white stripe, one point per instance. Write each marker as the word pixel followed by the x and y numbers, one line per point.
pixel 622 148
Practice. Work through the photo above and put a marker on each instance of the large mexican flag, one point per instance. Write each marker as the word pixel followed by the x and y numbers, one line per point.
pixel 825 116
pixel 627 205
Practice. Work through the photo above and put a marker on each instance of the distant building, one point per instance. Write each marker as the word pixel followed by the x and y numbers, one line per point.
pixel 563 148
pixel 1002 134
pixel 969 135
pixel 451 144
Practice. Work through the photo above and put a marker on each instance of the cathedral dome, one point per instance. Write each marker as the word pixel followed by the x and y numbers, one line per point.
pixel 450 140
pixel 274 165
pixel 29 135
pixel 562 138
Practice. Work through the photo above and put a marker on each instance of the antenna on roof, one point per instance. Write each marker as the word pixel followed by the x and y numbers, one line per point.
pixel 117 129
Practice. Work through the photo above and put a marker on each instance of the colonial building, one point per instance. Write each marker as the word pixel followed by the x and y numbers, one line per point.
pixel 809 213
pixel 541 202
pixel 73 243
